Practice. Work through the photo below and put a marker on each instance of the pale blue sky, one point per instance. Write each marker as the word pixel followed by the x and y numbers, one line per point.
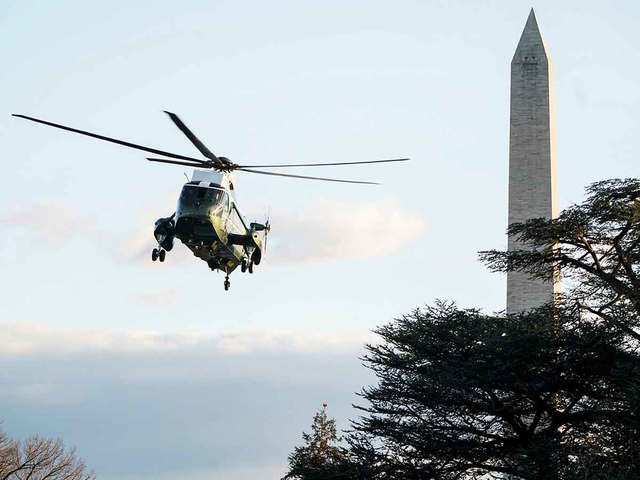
pixel 283 81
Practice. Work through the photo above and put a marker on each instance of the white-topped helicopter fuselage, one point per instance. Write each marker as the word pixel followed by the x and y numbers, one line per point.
pixel 208 221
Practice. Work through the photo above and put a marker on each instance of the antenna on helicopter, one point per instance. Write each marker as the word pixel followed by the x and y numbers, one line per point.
pixel 186 176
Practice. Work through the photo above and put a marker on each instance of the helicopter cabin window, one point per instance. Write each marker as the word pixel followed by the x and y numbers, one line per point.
pixel 236 224
pixel 193 196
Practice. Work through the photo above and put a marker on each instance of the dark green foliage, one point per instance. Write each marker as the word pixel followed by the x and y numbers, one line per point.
pixel 553 393
pixel 596 247
pixel 536 396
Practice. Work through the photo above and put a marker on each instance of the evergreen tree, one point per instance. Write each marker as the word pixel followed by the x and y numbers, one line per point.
pixel 553 393
pixel 460 394
pixel 320 457
pixel 595 246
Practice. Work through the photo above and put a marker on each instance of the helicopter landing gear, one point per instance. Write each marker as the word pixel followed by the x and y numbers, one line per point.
pixel 158 254
pixel 244 266
pixel 227 283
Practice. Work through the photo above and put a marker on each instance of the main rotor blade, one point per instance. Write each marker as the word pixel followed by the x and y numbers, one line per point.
pixel 306 177
pixel 112 140
pixel 324 164
pixel 176 162
pixel 191 136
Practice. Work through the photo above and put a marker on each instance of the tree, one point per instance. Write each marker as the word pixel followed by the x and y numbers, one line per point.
pixel 553 393
pixel 461 395
pixel 39 458
pixel 320 457
pixel 596 247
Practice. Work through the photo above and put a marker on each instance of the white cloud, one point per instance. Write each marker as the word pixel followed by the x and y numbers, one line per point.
pixel 52 222
pixel 332 230
pixel 136 248
pixel 56 223
pixel 325 231
pixel 28 338
pixel 157 298
pixel 184 405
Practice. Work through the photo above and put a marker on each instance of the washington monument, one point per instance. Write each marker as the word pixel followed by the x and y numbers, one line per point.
pixel 532 159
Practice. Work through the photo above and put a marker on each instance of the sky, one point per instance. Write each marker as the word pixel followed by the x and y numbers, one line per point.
pixel 153 370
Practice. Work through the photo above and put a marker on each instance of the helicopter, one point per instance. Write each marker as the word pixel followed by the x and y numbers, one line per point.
pixel 207 219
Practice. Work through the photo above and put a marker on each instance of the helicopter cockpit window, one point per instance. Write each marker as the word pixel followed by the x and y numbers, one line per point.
pixel 197 197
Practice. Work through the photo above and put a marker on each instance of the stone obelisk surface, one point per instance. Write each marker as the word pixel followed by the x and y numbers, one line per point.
pixel 532 161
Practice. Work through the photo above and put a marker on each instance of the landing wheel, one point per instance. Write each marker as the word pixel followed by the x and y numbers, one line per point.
pixel 154 254
pixel 227 283
pixel 161 255
pixel 243 266
pixel 250 267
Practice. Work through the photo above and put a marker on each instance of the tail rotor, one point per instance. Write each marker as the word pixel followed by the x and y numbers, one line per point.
pixel 267 228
